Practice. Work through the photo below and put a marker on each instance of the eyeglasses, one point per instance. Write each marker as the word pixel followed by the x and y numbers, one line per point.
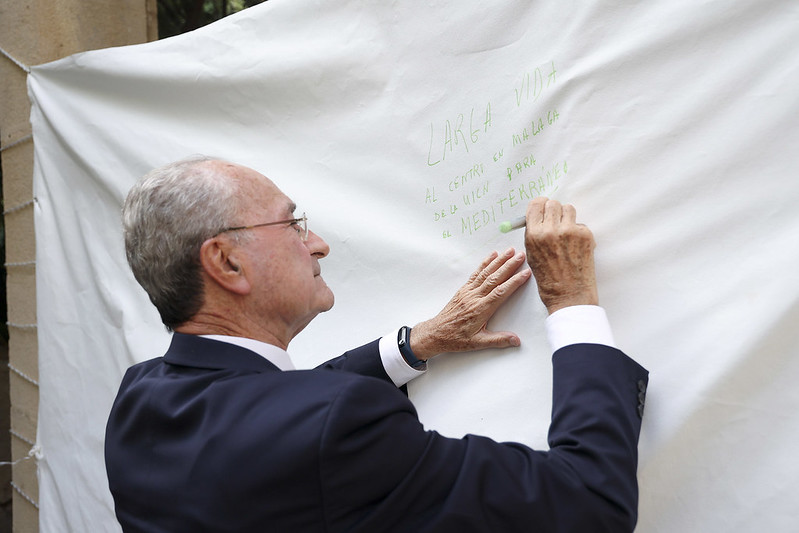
pixel 301 226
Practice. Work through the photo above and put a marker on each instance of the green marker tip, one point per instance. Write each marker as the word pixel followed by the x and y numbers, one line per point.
pixel 509 225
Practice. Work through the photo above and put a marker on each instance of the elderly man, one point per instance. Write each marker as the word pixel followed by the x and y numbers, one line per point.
pixel 222 434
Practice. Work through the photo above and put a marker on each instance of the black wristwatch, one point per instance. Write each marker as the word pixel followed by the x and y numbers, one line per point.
pixel 404 344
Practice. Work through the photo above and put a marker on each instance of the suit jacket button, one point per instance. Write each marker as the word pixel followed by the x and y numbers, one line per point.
pixel 640 410
pixel 641 385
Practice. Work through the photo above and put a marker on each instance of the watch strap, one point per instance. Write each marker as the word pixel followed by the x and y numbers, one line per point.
pixel 404 345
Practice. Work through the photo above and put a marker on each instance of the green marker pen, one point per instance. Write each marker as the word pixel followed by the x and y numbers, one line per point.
pixel 509 225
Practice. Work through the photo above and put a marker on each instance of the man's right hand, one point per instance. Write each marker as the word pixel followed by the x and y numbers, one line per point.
pixel 560 253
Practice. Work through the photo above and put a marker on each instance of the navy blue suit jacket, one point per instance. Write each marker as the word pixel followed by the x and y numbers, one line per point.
pixel 213 437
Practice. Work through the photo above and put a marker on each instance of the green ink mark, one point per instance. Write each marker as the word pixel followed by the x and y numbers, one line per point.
pixel 430 198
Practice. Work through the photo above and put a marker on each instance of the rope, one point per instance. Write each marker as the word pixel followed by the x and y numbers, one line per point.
pixel 34 453
pixel 18 63
pixel 21 326
pixel 19 490
pixel 18 141
pixel 19 207
pixel 22 437
pixel 23 375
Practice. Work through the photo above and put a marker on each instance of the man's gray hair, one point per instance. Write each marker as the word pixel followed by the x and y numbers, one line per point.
pixel 167 216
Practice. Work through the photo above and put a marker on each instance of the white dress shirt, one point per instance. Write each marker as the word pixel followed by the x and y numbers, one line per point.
pixel 275 355
pixel 571 325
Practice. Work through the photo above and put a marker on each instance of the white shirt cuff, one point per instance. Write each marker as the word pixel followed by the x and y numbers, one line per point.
pixel 579 324
pixel 395 365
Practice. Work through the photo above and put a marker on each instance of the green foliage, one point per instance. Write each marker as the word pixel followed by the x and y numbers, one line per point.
pixel 179 16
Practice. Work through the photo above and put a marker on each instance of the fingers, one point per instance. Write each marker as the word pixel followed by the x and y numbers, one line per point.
pixel 493 275
pixel 535 211
pixel 495 290
pixel 479 275
pixel 542 210
pixel 494 298
pixel 560 254
pixel 553 212
pixel 489 266
pixel 461 325
pixel 569 214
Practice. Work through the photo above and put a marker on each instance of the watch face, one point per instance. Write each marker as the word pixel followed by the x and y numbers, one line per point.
pixel 405 349
pixel 403 335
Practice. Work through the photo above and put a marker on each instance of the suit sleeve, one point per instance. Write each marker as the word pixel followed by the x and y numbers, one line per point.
pixel 364 360
pixel 381 471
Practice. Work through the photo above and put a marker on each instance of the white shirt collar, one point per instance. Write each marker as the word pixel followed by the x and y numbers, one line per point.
pixel 277 356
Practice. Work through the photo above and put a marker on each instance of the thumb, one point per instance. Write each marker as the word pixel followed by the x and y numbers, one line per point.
pixel 495 339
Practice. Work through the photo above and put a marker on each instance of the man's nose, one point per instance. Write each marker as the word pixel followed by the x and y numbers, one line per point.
pixel 317 245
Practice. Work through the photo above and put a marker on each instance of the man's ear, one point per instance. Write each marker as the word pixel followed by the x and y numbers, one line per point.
pixel 220 261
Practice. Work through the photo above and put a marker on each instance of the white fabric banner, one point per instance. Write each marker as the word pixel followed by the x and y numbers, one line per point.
pixel 408 132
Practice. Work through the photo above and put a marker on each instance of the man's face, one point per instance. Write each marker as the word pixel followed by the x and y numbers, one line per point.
pixel 284 270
